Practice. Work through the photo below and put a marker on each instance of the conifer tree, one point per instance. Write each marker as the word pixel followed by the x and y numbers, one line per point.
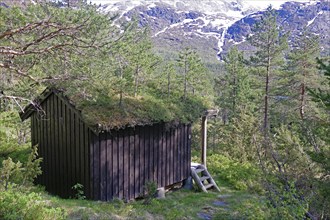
pixel 270 44
pixel 236 84
pixel 194 73
pixel 303 67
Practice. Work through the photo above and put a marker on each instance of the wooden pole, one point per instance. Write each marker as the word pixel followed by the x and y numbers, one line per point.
pixel 204 139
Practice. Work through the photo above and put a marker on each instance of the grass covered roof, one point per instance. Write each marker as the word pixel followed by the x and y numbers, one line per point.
pixel 104 112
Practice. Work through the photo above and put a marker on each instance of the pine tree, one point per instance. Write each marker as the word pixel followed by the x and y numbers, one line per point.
pixel 303 66
pixel 194 73
pixel 270 44
pixel 236 83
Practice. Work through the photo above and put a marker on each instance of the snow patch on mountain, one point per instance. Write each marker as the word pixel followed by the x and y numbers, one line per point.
pixel 312 21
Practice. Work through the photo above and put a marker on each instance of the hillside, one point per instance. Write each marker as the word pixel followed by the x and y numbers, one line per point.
pixel 212 27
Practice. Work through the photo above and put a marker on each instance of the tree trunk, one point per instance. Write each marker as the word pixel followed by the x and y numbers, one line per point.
pixel 168 84
pixel 266 97
pixel 185 80
pixel 302 101
pixel 303 94
pixel 136 81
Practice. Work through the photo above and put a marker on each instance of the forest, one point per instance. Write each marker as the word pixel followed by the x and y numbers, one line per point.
pixel 270 140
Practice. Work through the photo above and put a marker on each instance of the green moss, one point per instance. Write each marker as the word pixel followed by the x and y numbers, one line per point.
pixel 106 112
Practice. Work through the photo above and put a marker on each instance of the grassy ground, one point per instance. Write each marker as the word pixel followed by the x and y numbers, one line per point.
pixel 178 204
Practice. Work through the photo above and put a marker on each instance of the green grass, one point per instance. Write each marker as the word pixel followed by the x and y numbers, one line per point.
pixel 178 204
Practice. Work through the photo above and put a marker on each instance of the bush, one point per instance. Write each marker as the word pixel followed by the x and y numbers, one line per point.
pixel 241 175
pixel 12 172
pixel 15 204
pixel 16 200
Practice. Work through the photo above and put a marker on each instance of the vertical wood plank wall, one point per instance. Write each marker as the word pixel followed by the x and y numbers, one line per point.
pixel 115 164
pixel 124 161
pixel 63 143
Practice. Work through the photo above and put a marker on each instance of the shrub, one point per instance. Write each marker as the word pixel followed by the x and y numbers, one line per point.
pixel 79 189
pixel 15 204
pixel 241 175
pixel 12 172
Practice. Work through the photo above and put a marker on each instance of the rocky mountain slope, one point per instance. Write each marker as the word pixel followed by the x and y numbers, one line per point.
pixel 213 26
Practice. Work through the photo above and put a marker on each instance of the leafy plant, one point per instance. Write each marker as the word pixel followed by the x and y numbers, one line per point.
pixel 241 175
pixel 150 189
pixel 78 188
pixel 16 204
pixel 18 173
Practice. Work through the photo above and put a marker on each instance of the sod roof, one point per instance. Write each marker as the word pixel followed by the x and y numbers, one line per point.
pixel 104 112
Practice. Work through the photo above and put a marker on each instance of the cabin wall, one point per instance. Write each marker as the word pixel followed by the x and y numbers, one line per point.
pixel 63 143
pixel 123 161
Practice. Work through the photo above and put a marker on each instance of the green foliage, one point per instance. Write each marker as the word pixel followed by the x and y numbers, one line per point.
pixel 105 111
pixel 14 137
pixel 266 63
pixel 238 139
pixel 241 175
pixel 10 172
pixel 288 204
pixel 16 199
pixel 234 87
pixel 16 204
pixel 194 77
pixel 20 174
pixel 79 190
pixel 150 189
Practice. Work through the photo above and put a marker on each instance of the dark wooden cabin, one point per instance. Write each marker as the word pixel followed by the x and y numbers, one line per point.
pixel 115 163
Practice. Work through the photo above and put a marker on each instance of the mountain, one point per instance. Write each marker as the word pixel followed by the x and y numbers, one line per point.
pixel 213 26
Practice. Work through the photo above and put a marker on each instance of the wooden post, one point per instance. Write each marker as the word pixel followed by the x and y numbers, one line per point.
pixel 204 139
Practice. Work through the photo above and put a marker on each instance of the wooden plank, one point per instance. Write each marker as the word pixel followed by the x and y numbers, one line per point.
pixel 179 153
pixel 96 168
pixel 185 143
pixel 68 150
pixel 111 161
pixel 72 152
pixel 197 180
pixel 171 149
pixel 82 167
pixel 168 157
pixel 103 166
pixel 131 167
pixel 184 159
pixel 115 163
pixel 176 158
pixel 56 148
pixel 40 137
pixel 204 140
pixel 157 176
pixel 77 148
pixel 137 177
pixel 61 149
pixel 189 148
pixel 42 142
pixel 51 169
pixel 147 154
pixel 65 150
pixel 121 164
pixel 126 164
pixel 47 159
pixel 91 163
pixel 87 162
pixel 142 159
pixel 151 154
pixel 162 158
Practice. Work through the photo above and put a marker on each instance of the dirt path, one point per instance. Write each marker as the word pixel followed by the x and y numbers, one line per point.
pixel 209 210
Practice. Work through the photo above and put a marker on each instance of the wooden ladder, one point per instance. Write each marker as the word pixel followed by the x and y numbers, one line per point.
pixel 202 177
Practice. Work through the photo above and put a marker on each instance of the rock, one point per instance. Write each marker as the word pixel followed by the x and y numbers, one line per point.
pixel 160 193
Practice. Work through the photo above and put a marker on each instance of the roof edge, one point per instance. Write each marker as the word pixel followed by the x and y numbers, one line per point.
pixel 35 104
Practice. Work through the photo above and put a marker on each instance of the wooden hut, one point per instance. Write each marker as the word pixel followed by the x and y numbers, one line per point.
pixel 109 163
